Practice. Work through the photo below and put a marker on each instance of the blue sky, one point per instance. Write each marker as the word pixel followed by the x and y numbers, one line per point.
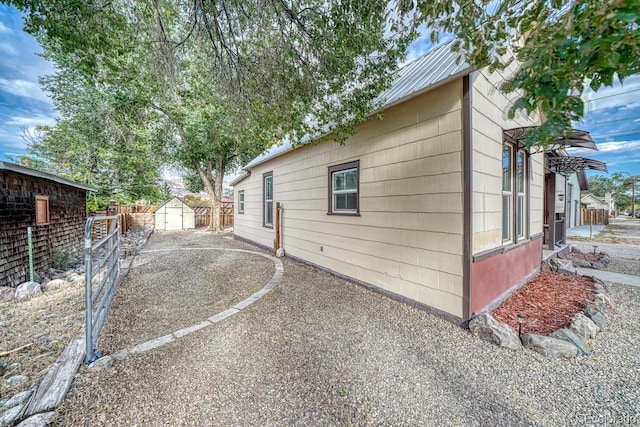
pixel 613 116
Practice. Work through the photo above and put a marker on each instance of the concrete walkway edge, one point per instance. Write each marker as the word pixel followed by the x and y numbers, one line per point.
pixel 608 276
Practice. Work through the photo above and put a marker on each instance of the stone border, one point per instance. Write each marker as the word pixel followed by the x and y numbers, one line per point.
pixel 565 342
pixel 106 361
pixel 39 409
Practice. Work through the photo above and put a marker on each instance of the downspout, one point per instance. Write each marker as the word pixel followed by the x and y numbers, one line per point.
pixel 467 195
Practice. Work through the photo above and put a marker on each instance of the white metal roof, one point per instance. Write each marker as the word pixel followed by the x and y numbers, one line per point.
pixel 435 68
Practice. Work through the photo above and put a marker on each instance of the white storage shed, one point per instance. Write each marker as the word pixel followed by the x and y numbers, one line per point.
pixel 175 215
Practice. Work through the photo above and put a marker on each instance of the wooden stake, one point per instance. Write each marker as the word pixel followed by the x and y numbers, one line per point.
pixel 6 353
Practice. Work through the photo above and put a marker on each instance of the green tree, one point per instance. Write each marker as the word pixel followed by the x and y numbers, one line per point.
pixel 619 185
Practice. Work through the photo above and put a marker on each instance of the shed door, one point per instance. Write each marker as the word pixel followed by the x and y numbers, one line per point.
pixel 174 218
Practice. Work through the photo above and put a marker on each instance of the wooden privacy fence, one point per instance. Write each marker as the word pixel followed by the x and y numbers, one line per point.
pixel 203 217
pixel 594 216
pixel 144 216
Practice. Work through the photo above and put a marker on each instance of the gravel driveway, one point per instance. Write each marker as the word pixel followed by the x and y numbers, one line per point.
pixel 317 350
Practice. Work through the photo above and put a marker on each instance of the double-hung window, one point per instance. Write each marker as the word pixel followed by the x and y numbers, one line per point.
pixel 241 202
pixel 267 191
pixel 514 193
pixel 344 188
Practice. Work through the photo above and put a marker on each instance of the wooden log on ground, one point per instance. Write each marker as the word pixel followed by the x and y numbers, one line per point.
pixel 56 383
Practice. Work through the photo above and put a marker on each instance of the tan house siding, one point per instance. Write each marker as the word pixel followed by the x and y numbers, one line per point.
pixel 489 119
pixel 408 237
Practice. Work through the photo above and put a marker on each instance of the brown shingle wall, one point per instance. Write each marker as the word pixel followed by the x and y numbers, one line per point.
pixel 65 231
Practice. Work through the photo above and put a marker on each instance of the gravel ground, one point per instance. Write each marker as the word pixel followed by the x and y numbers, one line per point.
pixel 320 351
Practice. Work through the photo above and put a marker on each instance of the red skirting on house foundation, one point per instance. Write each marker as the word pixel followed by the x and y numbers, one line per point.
pixel 494 275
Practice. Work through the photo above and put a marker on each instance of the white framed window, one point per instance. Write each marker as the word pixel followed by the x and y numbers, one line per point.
pixel 267 187
pixel 514 193
pixel 344 188
pixel 241 202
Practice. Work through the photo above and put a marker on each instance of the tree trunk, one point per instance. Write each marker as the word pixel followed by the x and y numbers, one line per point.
pixel 214 191
pixel 207 180
pixel 218 194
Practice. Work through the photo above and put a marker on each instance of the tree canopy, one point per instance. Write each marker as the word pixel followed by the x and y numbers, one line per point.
pixel 213 83
pixel 618 184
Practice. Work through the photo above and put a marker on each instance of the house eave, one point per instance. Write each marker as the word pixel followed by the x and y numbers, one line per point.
pixel 12 167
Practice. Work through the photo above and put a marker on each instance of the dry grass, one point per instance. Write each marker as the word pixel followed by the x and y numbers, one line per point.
pixel 44 324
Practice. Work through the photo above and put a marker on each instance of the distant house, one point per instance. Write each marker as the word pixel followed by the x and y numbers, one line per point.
pixel 439 204
pixel 594 202
pixel 175 215
pixel 56 210
pixel 576 183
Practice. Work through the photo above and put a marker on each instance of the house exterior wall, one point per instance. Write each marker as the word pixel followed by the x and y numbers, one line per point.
pixel 489 119
pixel 408 238
pixel 572 211
pixel 63 233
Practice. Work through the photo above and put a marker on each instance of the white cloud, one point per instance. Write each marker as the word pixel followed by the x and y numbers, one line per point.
pixel 4 28
pixel 31 122
pixel 620 95
pixel 8 49
pixel 24 88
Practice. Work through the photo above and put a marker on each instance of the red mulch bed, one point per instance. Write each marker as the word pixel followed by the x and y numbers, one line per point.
pixel 549 301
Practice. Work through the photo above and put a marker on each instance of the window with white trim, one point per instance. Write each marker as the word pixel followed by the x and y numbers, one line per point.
pixel 267 191
pixel 344 188
pixel 514 194
pixel 241 202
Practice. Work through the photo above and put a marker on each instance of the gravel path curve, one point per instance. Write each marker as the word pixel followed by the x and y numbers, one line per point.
pixel 317 350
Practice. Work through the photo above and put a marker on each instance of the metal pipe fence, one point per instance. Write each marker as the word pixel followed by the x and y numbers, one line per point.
pixel 102 274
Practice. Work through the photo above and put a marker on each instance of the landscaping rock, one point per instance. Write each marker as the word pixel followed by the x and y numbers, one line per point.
pixel 3 368
pixel 100 364
pixel 40 420
pixel 576 250
pixel 583 326
pixel 561 264
pixel 7 293
pixel 545 266
pixel 10 416
pixel 28 289
pixel 602 297
pixel 581 263
pixel 16 380
pixel 570 336
pixel 548 346
pixel 487 328
pixel 598 265
pixel 54 284
pixel 598 318
pixel 17 399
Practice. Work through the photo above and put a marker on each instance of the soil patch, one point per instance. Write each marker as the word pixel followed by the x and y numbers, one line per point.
pixel 548 301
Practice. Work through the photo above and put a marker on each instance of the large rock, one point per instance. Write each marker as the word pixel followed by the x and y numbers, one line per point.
pixel 8 417
pixel 7 293
pixel 485 327
pixel 40 420
pixel 54 284
pixel 18 399
pixel 16 380
pixel 549 346
pixel 583 326
pixel 561 264
pixel 28 289
pixel 570 336
pixel 581 263
pixel 602 297
pixel 598 318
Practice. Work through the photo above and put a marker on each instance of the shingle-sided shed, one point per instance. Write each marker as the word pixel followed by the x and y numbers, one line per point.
pixel 175 215
pixel 431 204
pixel 56 210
